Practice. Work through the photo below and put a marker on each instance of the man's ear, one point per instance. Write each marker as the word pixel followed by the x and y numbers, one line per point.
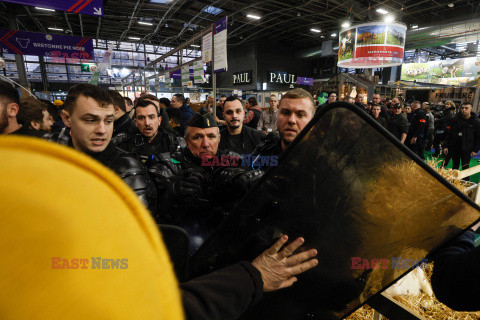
pixel 65 118
pixel 116 109
pixel 12 109
pixel 35 125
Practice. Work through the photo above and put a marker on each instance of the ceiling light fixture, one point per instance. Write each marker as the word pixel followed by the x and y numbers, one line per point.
pixel 145 23
pixel 414 27
pixel 195 45
pixel 333 35
pixel 315 30
pixel 389 19
pixel 346 24
pixel 382 11
pixel 134 38
pixel 44 9
pixel 55 29
pixel 253 16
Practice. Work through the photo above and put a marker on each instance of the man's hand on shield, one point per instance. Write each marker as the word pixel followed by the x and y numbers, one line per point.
pixel 279 268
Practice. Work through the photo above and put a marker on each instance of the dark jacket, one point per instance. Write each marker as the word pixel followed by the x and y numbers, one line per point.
pixel 381 120
pixel 224 294
pixel 132 172
pixel 148 151
pixel 218 185
pixel 398 125
pixel 464 134
pixel 127 167
pixel 187 113
pixel 251 138
pixel 271 146
pixel 418 125
pixel 456 274
pixel 26 131
pixel 124 125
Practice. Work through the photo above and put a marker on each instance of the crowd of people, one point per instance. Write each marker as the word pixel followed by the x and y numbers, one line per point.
pixel 451 131
pixel 183 164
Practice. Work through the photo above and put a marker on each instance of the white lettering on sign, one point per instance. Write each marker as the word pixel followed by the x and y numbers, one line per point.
pixel 282 77
pixel 241 78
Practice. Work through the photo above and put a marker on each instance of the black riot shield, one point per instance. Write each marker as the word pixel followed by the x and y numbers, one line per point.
pixel 369 206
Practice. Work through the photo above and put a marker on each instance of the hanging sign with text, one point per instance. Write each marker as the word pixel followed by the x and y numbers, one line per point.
pixel 91 7
pixel 220 45
pixel 46 45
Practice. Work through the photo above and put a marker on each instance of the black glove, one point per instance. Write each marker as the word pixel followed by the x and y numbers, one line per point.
pixel 248 179
pixel 188 186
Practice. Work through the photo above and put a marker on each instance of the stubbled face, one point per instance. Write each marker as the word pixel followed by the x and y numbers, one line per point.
pixel 203 143
pixel 376 98
pixel 466 109
pixel 233 114
pixel 397 110
pixel 47 122
pixel 359 98
pixel 147 121
pixel 293 116
pixel 91 126
pixel 376 111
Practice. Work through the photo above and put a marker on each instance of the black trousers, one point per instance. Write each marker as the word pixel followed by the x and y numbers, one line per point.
pixel 464 157
pixel 418 148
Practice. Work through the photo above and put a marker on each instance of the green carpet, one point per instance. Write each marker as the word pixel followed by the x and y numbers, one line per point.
pixel 473 162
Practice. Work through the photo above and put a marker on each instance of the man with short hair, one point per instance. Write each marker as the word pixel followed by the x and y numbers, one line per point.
pixel 268 119
pixel 398 124
pixel 237 137
pixel 376 115
pixel 383 110
pixel 463 138
pixel 296 109
pixel 122 123
pixel 416 137
pixel 253 113
pixel 34 115
pixel 151 141
pixel 9 107
pixel 200 180
pixel 178 102
pixel 165 121
pixel 359 101
pixel 89 113
pixel 128 104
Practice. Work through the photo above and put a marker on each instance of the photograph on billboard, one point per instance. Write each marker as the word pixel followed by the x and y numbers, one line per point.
pixel 395 36
pixel 347 45
pixel 371 35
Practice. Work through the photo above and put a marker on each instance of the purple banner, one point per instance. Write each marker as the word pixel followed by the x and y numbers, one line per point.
pixel 178 74
pixel 47 45
pixel 305 81
pixel 221 25
pixel 91 7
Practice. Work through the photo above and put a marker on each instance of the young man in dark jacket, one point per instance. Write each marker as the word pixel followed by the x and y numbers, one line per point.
pixel 89 113
pixel 463 138
pixel 253 114
pixel 236 136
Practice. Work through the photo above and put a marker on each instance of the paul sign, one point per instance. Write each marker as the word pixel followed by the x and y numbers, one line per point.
pixel 244 77
pixel 282 77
